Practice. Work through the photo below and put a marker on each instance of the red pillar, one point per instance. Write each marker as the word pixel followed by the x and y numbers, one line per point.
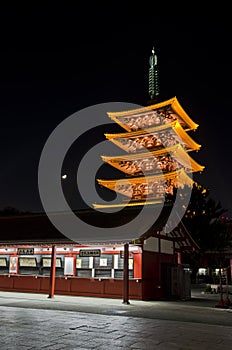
pixel 126 274
pixel 52 273
pixel 138 265
pixel 179 258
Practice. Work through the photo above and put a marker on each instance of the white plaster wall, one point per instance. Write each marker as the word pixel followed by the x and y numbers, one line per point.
pixel 151 244
pixel 166 246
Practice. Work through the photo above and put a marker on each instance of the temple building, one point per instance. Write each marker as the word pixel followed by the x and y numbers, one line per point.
pixel 155 158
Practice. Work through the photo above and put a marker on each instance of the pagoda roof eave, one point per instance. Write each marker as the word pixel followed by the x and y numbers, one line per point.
pixel 182 176
pixel 131 204
pixel 175 126
pixel 173 102
pixel 177 151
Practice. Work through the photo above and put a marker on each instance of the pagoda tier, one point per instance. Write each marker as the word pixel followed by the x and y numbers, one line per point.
pixel 151 187
pixel 162 160
pixel 162 136
pixel 153 115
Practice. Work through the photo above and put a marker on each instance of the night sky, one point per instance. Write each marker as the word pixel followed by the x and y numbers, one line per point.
pixel 54 63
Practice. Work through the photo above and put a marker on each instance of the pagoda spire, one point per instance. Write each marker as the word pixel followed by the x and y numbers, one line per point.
pixel 153 78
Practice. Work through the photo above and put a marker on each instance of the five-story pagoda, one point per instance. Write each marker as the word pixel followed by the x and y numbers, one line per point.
pixel 157 149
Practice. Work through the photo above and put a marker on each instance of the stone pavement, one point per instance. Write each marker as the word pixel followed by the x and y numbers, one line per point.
pixel 34 321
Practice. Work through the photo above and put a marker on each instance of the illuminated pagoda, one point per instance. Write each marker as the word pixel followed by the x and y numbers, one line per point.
pixel 157 149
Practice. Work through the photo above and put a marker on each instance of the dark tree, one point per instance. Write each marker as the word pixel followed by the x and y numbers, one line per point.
pixel 205 223
pixel 11 211
pixel 203 219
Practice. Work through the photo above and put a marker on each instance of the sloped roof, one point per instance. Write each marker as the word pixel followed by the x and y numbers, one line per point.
pixel 129 163
pixel 173 128
pixel 128 186
pixel 167 108
pixel 182 239
pixel 36 229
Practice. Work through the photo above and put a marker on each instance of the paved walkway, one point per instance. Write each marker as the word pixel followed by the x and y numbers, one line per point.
pixel 33 321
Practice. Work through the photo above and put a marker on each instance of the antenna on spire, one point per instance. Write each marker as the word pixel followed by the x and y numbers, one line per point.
pixel 153 77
